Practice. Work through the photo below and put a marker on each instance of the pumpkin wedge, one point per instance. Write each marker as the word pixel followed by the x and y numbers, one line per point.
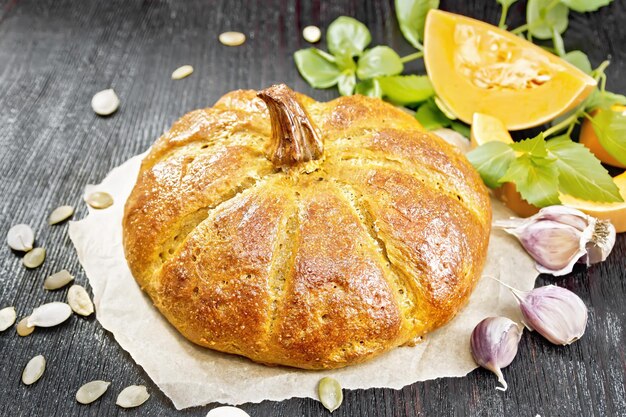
pixel 477 67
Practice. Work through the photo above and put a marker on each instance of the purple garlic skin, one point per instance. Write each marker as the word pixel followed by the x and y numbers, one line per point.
pixel 556 313
pixel 558 237
pixel 494 344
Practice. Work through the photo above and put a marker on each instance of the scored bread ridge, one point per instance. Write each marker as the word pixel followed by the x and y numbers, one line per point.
pixel 266 301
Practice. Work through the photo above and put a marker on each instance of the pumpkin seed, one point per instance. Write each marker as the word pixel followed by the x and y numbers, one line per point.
pixel 132 396
pixel 227 411
pixel 232 38
pixel 99 200
pixel 182 72
pixel 34 258
pixel 23 329
pixel 105 102
pixel 49 315
pixel 34 370
pixel 79 300
pixel 60 214
pixel 330 393
pixel 7 318
pixel 311 34
pixel 58 280
pixel 21 237
pixel 91 391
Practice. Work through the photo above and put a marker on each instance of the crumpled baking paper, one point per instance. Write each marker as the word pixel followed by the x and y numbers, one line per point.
pixel 192 376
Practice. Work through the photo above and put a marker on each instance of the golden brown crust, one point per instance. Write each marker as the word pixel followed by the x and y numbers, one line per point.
pixel 377 243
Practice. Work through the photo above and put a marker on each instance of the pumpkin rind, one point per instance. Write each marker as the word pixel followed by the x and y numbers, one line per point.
pixel 323 265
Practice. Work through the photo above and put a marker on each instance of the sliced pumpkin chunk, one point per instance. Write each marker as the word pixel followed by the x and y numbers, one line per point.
pixel 477 67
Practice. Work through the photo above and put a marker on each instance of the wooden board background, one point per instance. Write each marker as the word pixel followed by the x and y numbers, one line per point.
pixel 55 54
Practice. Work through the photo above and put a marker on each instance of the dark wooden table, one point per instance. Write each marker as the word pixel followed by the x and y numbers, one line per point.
pixel 55 54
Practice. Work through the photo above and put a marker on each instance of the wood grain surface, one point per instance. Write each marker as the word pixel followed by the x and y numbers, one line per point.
pixel 55 54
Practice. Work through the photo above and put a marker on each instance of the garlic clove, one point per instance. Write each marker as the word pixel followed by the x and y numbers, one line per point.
pixel 556 313
pixel 558 237
pixel 494 344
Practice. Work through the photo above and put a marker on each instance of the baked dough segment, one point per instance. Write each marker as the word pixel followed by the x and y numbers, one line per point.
pixel 337 307
pixel 223 271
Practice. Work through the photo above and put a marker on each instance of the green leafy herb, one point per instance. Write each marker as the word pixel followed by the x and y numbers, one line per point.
pixel 316 69
pixel 580 60
pixel 370 88
pixel 535 146
pixel 411 16
pixel 544 16
pixel 346 83
pixel 603 100
pixel 610 127
pixel 347 37
pixel 461 128
pixel 406 89
pixel 506 4
pixel 492 161
pixel 535 178
pixel 429 116
pixel 379 61
pixel 580 173
pixel 583 6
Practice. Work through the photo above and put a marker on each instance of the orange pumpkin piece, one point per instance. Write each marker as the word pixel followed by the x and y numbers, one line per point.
pixel 477 67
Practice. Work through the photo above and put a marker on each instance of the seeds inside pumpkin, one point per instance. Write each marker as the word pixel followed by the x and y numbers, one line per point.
pixel 7 318
pixel 91 391
pixel 34 370
pixel 232 38
pixel 58 280
pixel 21 237
pixel 330 393
pixel 132 396
pixel 49 315
pixel 79 300
pixel 182 72
pixel 311 34
pixel 23 329
pixel 60 214
pixel 99 200
pixel 34 258
pixel 105 102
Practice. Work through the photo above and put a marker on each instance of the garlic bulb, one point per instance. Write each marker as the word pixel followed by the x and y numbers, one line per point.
pixel 557 237
pixel 556 313
pixel 494 345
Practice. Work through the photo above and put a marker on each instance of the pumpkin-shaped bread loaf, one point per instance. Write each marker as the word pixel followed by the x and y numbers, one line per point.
pixel 307 234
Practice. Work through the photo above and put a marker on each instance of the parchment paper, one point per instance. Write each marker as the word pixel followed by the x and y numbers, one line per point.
pixel 191 376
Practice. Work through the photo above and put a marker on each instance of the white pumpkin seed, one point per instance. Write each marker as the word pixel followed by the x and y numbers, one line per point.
pixel 132 396
pixel 91 391
pixel 23 329
pixel 21 237
pixel 58 280
pixel 7 318
pixel 330 393
pixel 311 34
pixel 227 411
pixel 60 214
pixel 34 258
pixel 232 38
pixel 105 102
pixel 99 200
pixel 34 370
pixel 49 315
pixel 182 72
pixel 79 300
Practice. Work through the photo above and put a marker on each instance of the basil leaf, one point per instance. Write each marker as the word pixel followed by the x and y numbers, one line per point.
pixel 544 15
pixel 535 147
pixel 536 179
pixel 580 173
pixel 370 88
pixel 580 60
pixel 506 3
pixel 610 127
pixel 492 161
pixel 430 117
pixel 583 6
pixel 347 37
pixel 316 70
pixel 461 128
pixel 411 16
pixel 378 61
pixel 346 83
pixel 603 100
pixel 406 89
